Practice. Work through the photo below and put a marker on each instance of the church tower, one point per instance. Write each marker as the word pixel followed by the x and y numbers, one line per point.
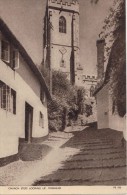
pixel 61 38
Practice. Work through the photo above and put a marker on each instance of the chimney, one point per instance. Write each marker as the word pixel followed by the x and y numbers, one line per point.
pixel 100 58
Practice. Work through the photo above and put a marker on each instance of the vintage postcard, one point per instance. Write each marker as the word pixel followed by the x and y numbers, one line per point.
pixel 63 97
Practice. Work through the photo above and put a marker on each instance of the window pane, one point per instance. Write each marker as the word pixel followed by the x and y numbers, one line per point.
pixel 62 25
pixel 13 101
pixel 15 59
pixel 4 99
pixel 8 94
pixel 5 50
pixel 7 98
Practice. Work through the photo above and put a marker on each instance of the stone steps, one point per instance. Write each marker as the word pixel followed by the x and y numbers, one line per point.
pixel 100 161
pixel 102 150
pixel 90 176
pixel 115 182
pixel 95 156
pixel 91 164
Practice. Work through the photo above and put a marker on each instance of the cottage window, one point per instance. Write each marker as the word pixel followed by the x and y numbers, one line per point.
pixel 3 96
pixel 5 51
pixel 62 25
pixel 13 101
pixel 42 95
pixel 9 54
pixel 41 120
pixel 7 98
pixel 15 59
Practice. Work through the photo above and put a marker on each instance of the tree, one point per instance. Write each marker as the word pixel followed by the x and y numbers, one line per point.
pixel 64 99
pixel 63 90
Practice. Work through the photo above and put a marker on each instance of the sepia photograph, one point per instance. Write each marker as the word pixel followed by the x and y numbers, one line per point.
pixel 62 95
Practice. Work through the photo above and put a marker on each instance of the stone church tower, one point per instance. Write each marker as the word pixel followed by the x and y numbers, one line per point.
pixel 61 38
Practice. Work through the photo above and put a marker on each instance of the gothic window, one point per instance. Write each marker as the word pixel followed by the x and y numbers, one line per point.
pixel 62 25
pixel 91 91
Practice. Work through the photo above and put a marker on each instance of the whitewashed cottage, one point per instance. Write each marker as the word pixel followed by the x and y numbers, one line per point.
pixel 23 99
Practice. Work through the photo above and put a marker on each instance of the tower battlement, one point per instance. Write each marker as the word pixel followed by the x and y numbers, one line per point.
pixel 61 36
pixel 64 4
pixel 89 77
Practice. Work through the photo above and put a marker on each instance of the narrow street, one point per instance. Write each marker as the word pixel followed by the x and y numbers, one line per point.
pixel 76 157
pixel 101 160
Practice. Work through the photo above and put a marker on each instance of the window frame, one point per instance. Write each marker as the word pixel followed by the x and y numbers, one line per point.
pixel 62 25
pixel 3 51
pixel 7 98
pixel 7 51
pixel 15 59
pixel 13 96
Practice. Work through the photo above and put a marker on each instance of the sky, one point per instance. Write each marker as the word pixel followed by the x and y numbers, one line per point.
pixel 25 20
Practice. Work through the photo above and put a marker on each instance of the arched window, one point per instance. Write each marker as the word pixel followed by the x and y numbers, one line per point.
pixel 62 24
pixel 91 91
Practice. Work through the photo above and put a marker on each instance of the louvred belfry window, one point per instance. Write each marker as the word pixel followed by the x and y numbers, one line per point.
pixel 62 25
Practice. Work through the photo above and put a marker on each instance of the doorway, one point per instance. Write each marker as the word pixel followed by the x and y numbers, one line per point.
pixel 28 122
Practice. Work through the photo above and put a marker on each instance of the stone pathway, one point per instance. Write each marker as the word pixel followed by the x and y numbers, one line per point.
pixel 24 173
pixel 101 160
pixel 78 157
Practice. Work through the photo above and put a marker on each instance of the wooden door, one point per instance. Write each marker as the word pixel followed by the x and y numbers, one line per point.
pixel 28 122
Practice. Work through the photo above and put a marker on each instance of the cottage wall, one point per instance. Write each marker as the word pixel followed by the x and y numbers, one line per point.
pixel 103 108
pixel 115 121
pixel 28 76
pixel 12 126
pixel 105 116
